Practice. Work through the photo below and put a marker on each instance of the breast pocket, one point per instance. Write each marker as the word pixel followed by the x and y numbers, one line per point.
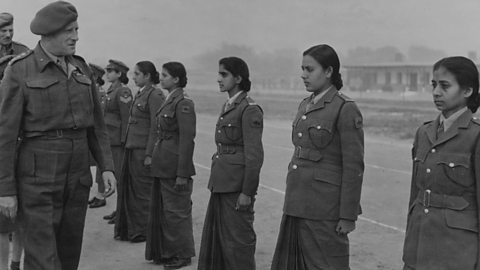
pixel 457 169
pixel 233 131
pixel 40 101
pixel 167 120
pixel 321 133
pixel 82 90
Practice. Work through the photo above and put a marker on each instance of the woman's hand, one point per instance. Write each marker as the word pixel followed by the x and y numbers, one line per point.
pixel 8 206
pixel 243 202
pixel 345 227
pixel 181 184
pixel 147 162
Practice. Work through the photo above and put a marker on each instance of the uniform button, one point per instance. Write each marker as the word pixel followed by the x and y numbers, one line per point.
pixel 294 166
pixel 108 99
pixel 451 165
pixel 219 144
pixel 319 127
pixel 426 211
pixel 229 125
pixel 304 117
pixel 300 134
pixel 433 150
pixel 165 115
pixel 219 131
pixel 216 156
pixel 428 170
pixel 221 118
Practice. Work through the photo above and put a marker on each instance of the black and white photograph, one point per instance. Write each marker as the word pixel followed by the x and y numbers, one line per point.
pixel 239 135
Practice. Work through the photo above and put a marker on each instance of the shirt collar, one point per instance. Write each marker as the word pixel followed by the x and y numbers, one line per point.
pixel 320 95
pixel 171 93
pixel 59 59
pixel 448 122
pixel 232 99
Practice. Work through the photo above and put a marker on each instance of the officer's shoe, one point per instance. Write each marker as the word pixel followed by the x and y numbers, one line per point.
pixel 92 200
pixel 98 203
pixel 111 216
pixel 178 263
pixel 112 221
pixel 138 239
pixel 15 265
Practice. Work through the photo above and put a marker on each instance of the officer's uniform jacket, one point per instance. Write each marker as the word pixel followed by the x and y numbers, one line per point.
pixel 238 135
pixel 8 52
pixel 116 104
pixel 176 127
pixel 326 171
pixel 38 97
pixel 442 227
pixel 141 125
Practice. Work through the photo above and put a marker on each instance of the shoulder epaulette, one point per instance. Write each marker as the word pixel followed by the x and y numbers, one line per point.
pixel 185 96
pixel 20 44
pixel 345 97
pixel 251 101
pixel 428 122
pixel 19 57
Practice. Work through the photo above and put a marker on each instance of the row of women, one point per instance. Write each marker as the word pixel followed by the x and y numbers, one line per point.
pixel 322 200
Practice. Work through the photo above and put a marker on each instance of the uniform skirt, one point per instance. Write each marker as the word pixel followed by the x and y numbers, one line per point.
pixel 228 239
pixel 305 244
pixel 170 230
pixel 134 196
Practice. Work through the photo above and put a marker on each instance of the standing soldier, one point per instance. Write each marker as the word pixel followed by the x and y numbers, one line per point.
pixel 229 240
pixel 8 47
pixel 324 180
pixel 170 231
pixel 136 182
pixel 116 105
pixel 49 96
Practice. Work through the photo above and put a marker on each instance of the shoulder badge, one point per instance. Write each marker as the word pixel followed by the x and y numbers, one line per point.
pixel 344 97
pixel 476 120
pixel 20 57
pixel 125 98
pixel 251 101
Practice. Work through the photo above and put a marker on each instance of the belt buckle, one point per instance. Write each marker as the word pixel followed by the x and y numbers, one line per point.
pixel 59 133
pixel 426 198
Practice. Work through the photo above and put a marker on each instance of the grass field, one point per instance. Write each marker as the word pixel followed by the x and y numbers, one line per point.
pixel 395 118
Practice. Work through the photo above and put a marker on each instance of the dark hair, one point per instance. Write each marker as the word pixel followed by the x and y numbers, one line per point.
pixel 147 67
pixel 100 81
pixel 177 70
pixel 237 67
pixel 327 57
pixel 466 74
pixel 123 78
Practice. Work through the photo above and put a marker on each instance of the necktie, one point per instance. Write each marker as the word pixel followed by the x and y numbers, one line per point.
pixel 310 104
pixel 227 106
pixel 440 130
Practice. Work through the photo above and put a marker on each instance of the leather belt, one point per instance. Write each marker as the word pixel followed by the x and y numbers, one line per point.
pixel 429 199
pixel 229 148
pixel 167 135
pixel 69 133
pixel 307 153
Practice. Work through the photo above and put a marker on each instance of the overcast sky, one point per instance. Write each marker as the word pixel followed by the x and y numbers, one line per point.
pixel 180 29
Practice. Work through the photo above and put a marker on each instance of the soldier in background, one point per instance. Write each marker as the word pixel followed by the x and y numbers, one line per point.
pixel 49 96
pixel 8 47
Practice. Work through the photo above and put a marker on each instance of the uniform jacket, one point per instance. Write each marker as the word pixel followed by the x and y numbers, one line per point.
pixel 141 125
pixel 7 53
pixel 325 174
pixel 37 96
pixel 176 127
pixel 443 226
pixel 238 135
pixel 116 104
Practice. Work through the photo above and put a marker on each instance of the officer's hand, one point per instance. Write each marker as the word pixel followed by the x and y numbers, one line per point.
pixel 181 184
pixel 8 206
pixel 243 202
pixel 147 162
pixel 110 183
pixel 345 227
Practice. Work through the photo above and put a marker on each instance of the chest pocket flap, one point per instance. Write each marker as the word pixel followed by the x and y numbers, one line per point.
pixel 82 79
pixel 321 133
pixel 457 168
pixel 41 83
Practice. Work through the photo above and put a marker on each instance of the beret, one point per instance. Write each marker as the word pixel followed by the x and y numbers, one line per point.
pixel 117 65
pixel 5 19
pixel 53 18
pixel 97 70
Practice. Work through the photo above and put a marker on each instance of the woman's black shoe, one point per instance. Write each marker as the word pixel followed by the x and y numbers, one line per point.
pixel 111 216
pixel 98 203
pixel 138 239
pixel 178 263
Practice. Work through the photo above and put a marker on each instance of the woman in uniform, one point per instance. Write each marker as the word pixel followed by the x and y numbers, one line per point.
pixel 136 179
pixel 170 232
pixel 116 104
pixel 443 219
pixel 324 180
pixel 228 239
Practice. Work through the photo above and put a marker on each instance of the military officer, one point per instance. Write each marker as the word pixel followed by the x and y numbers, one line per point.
pixel 49 97
pixel 324 180
pixel 443 217
pixel 228 239
pixel 136 183
pixel 116 109
pixel 8 47
pixel 170 229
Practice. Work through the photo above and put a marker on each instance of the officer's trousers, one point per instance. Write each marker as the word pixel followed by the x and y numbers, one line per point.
pixel 170 229
pixel 228 239
pixel 54 181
